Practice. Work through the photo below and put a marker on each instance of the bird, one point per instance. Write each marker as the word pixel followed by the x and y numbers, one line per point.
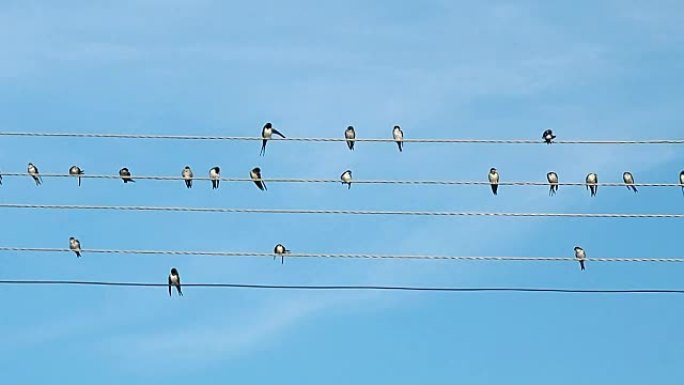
pixel 493 179
pixel 346 178
pixel 255 174
pixel 552 177
pixel 350 135
pixel 266 134
pixel 398 136
pixel 77 172
pixel 280 250
pixel 174 280
pixel 33 171
pixel 548 136
pixel 628 178
pixel 125 175
pixel 681 180
pixel 581 256
pixel 592 180
pixel 187 176
pixel 215 176
pixel 75 246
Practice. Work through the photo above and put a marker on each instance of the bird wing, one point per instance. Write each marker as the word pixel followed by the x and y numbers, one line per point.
pixel 277 132
pixel 169 285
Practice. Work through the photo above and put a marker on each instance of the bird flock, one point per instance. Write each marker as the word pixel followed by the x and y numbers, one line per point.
pixel 267 132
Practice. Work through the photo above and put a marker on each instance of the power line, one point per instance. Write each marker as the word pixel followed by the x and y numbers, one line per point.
pixel 337 181
pixel 227 210
pixel 307 139
pixel 343 287
pixel 336 255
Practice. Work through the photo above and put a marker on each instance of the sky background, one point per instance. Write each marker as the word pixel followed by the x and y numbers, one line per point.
pixel 440 69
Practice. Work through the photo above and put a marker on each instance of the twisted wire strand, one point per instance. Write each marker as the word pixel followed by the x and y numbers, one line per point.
pixel 314 139
pixel 326 180
pixel 335 255
pixel 329 211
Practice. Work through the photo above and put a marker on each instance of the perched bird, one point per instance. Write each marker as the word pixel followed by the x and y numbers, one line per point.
pixel 174 280
pixel 681 180
pixel 552 177
pixel 350 135
pixel 77 172
pixel 346 178
pixel 280 250
pixel 581 256
pixel 266 133
pixel 548 136
pixel 255 174
pixel 33 171
pixel 75 246
pixel 215 176
pixel 187 176
pixel 592 180
pixel 493 179
pixel 398 136
pixel 628 178
pixel 125 175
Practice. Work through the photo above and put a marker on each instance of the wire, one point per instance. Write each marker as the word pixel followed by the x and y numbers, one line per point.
pixel 258 138
pixel 319 180
pixel 344 287
pixel 333 256
pixel 336 212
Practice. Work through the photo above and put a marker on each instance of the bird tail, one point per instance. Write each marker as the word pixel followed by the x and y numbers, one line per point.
pixel 282 259
pixel 634 189
pixel 263 147
pixel 79 181
pixel 78 254
pixel 582 265
pixel 400 145
pixel 180 292
pixel 495 188
pixel 348 186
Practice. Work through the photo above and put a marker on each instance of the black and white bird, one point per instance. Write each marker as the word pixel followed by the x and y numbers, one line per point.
pixel 592 183
pixel 75 246
pixel 681 180
pixel 33 171
pixel 266 133
pixel 552 177
pixel 77 172
pixel 628 178
pixel 581 256
pixel 493 179
pixel 187 176
pixel 398 136
pixel 125 175
pixel 346 178
pixel 548 136
pixel 280 250
pixel 350 135
pixel 174 280
pixel 255 174
pixel 215 176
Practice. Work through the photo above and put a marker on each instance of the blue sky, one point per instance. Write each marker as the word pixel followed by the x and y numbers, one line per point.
pixel 594 70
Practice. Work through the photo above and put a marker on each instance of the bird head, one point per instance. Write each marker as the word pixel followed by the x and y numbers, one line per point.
pixel 492 170
pixel 174 271
pixel 268 125
pixel 256 170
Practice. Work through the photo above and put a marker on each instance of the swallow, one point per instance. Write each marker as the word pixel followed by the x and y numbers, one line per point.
pixel 33 171
pixel 77 172
pixel 548 136
pixel 552 177
pixel 280 250
pixel 398 136
pixel 592 180
pixel 215 176
pixel 628 178
pixel 174 280
pixel 75 246
pixel 493 179
pixel 346 178
pixel 125 175
pixel 581 256
pixel 187 176
pixel 350 135
pixel 681 180
pixel 266 134
pixel 255 174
